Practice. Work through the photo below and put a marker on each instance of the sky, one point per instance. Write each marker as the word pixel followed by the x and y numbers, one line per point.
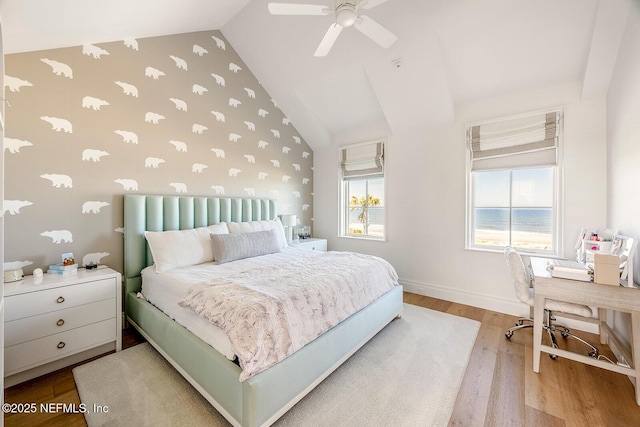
pixel 531 188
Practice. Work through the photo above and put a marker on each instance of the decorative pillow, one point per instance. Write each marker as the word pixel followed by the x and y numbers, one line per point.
pixel 251 226
pixel 230 247
pixel 179 248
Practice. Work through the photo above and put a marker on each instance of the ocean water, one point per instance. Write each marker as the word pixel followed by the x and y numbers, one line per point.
pixel 538 220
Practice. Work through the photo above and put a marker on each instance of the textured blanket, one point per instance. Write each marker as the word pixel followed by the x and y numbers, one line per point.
pixel 270 312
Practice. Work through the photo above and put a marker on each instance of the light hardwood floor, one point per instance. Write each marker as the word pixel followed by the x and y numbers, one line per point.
pixel 499 388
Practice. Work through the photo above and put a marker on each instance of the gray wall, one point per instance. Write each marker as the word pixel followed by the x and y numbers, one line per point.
pixel 162 115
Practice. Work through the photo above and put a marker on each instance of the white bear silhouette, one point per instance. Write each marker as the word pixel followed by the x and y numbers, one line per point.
pixel 154 118
pixel 219 79
pixel 275 104
pixel 250 93
pixel 119 230
pixel 219 116
pixel 131 43
pixel 14 265
pixel 58 236
pixel 59 124
pixel 296 167
pixel 95 51
pixel 180 104
pixel 59 68
pixel 94 103
pixel 153 73
pixel 180 146
pixel 14 145
pixel 127 136
pixel 234 102
pixel 219 152
pixel 14 84
pixel 93 258
pixel 296 139
pixel 262 144
pixel 127 184
pixel 276 163
pixel 286 121
pixel 276 133
pixel 180 63
pixel 250 125
pixel 285 178
pixel 234 137
pixel 58 180
pixel 14 206
pixel 234 172
pixel 180 187
pixel 128 88
pixel 93 155
pixel 198 167
pixel 285 149
pixel 219 189
pixel 305 180
pixel 234 67
pixel 199 50
pixel 262 113
pixel 93 206
pixel 296 194
pixel 262 176
pixel 196 128
pixel 153 162
pixel 219 42
pixel 251 192
pixel 199 89
pixel 250 158
pixel 305 207
pixel 305 154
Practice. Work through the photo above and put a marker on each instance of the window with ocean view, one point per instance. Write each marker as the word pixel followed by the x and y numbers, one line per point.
pixel 513 190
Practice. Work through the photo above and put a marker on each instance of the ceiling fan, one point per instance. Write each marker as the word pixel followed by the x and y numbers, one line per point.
pixel 346 13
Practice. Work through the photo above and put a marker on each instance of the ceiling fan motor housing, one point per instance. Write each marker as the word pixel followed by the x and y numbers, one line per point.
pixel 346 14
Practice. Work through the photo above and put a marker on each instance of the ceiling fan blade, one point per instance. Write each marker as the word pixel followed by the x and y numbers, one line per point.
pixel 375 31
pixel 298 9
pixel 328 40
pixel 369 4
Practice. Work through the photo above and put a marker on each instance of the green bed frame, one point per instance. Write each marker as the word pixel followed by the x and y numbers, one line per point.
pixel 263 398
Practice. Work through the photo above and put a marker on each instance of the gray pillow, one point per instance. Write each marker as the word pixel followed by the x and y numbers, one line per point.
pixel 230 247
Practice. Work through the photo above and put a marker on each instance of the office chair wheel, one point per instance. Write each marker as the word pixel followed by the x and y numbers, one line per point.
pixel 508 334
pixel 593 354
pixel 519 323
pixel 553 356
pixel 564 335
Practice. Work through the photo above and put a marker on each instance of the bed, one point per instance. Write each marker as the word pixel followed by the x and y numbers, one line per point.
pixel 264 397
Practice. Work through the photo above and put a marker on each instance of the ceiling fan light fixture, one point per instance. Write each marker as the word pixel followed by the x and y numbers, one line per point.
pixel 346 14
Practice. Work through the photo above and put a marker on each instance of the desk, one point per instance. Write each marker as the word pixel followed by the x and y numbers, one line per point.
pixel 605 297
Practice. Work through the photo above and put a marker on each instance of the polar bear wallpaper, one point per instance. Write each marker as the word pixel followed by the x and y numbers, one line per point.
pixel 179 114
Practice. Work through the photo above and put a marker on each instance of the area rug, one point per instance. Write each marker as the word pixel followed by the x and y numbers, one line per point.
pixel 409 374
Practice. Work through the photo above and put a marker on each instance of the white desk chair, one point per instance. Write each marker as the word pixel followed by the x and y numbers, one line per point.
pixel 523 282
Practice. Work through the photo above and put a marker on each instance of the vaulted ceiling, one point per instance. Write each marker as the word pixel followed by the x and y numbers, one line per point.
pixel 450 52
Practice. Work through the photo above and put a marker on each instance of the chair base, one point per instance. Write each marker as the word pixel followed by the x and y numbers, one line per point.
pixel 551 329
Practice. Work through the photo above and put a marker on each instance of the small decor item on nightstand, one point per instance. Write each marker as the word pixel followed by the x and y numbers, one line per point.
pixel 13 275
pixel 67 267
pixel 304 231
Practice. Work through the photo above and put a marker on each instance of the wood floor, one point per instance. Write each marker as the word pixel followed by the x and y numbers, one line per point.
pixel 499 388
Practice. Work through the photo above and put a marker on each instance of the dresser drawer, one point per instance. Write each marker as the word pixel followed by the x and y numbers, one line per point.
pixel 42 350
pixel 31 328
pixel 45 301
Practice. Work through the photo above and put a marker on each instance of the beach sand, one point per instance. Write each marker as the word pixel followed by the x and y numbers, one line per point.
pixel 521 239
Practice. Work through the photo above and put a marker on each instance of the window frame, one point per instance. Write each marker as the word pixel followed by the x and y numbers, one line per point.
pixel 343 194
pixel 558 184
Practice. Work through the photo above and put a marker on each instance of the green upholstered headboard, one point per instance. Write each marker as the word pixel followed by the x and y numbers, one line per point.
pixel 160 213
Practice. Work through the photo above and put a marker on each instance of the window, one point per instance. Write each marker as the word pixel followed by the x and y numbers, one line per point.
pixel 362 191
pixel 513 183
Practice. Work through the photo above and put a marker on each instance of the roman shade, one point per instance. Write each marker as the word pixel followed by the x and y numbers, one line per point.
pixel 363 161
pixel 529 140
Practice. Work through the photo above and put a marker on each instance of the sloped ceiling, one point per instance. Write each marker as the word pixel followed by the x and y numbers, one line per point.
pixel 453 52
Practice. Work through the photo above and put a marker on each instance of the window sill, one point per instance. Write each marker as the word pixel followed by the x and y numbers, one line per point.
pixel 368 238
pixel 521 251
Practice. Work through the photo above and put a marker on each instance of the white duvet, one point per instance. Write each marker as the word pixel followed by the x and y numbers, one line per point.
pixel 270 309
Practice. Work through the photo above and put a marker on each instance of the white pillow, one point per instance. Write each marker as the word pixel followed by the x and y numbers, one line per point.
pixel 251 226
pixel 230 247
pixel 179 248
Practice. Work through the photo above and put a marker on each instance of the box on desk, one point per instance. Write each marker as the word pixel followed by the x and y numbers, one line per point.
pixel 606 269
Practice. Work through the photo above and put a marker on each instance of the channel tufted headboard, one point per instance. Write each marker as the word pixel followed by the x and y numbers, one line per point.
pixel 160 213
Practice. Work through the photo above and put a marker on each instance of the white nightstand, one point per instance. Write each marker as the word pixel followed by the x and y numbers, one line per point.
pixel 311 244
pixel 54 321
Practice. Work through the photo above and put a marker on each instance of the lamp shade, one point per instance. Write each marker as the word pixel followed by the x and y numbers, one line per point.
pixel 288 220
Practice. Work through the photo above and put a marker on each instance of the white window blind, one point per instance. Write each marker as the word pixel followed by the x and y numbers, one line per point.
pixel 530 140
pixel 362 161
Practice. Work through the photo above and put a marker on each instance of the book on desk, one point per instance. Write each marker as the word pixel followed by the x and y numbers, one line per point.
pixel 566 269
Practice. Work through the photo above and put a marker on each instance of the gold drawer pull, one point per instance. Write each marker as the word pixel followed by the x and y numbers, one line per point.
pixel 60 322
pixel 61 344
pixel 60 300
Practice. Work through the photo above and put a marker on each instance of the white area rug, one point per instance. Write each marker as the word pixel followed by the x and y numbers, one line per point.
pixel 407 375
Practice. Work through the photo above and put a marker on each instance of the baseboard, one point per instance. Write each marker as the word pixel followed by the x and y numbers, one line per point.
pixel 501 305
